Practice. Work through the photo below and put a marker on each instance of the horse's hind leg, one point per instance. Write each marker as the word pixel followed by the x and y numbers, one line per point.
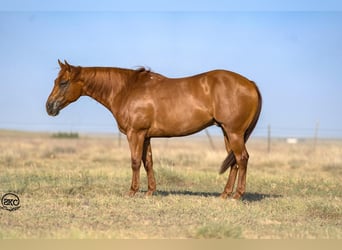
pixel 237 144
pixel 228 190
pixel 241 155
pixel 148 165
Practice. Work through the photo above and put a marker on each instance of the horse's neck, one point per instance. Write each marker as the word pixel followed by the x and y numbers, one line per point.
pixel 105 84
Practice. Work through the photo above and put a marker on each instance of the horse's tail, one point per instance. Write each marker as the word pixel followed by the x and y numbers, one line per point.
pixel 230 159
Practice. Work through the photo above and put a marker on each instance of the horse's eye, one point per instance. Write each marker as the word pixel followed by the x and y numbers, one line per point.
pixel 63 83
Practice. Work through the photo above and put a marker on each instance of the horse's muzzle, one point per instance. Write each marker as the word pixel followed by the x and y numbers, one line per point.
pixel 52 108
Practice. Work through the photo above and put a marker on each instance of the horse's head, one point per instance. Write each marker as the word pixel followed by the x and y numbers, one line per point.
pixel 67 88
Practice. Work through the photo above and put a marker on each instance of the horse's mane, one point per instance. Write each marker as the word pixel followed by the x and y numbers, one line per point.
pixel 135 76
pixel 142 74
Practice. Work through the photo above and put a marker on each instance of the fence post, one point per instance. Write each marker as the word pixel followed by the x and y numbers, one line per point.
pixel 210 139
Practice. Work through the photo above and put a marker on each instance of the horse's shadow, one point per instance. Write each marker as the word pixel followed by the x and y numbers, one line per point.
pixel 248 197
pixel 253 197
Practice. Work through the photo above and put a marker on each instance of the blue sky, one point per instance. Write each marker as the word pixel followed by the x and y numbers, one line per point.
pixel 292 52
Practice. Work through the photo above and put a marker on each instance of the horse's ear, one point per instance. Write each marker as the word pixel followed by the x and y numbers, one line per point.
pixel 60 64
pixel 67 65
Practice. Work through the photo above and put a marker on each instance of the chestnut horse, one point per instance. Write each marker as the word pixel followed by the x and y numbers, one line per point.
pixel 146 105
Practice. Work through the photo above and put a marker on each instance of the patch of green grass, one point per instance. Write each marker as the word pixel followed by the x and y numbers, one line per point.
pixel 66 135
pixel 217 231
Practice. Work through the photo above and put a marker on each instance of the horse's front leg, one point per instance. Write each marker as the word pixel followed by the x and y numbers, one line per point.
pixel 148 164
pixel 136 143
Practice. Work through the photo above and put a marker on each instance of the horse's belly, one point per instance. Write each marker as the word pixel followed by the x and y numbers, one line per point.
pixel 180 123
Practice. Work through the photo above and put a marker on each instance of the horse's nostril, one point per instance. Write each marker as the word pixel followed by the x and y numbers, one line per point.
pixel 48 106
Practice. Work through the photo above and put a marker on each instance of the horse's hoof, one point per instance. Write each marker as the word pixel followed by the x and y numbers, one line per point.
pixel 131 193
pixel 224 196
pixel 237 196
pixel 149 193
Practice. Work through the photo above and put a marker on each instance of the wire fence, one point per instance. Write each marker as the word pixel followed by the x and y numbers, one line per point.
pixel 314 132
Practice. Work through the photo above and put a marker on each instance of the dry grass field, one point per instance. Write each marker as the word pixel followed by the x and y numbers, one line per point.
pixel 77 188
